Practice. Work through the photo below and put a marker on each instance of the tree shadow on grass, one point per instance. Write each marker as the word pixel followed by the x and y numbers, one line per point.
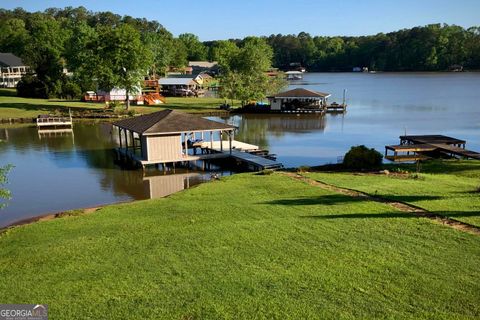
pixel 339 199
pixel 449 214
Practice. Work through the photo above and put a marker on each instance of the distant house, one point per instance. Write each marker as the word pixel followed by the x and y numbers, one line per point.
pixel 179 71
pixel 298 99
pixel 203 79
pixel 12 69
pixel 203 66
pixel 178 86
pixel 116 94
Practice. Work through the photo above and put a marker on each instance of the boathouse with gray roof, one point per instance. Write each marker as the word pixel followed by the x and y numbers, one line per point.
pixel 299 99
pixel 167 136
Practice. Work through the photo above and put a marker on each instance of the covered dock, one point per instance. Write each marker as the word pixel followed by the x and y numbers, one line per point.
pixel 422 147
pixel 170 137
pixel 299 99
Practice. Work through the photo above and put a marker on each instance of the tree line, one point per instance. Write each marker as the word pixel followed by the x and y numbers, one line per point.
pixel 104 50
pixel 434 47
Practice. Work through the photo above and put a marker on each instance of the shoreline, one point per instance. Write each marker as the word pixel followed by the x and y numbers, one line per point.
pixel 107 117
pixel 323 169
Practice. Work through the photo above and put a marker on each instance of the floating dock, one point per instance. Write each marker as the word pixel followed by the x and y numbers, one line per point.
pixel 422 147
pixel 46 121
pixel 335 107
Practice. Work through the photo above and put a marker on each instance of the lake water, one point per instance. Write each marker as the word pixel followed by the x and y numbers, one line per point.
pixel 77 170
pixel 381 107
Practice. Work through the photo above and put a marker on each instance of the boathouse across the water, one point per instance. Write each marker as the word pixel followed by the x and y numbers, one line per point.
pixel 299 99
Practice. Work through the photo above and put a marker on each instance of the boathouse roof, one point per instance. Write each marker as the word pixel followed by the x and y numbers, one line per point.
pixel 170 121
pixel 10 60
pixel 176 81
pixel 433 138
pixel 301 93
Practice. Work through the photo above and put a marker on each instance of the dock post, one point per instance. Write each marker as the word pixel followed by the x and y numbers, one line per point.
pixel 221 142
pixel 211 140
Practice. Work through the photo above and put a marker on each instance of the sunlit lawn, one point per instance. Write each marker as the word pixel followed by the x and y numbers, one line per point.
pixel 12 106
pixel 245 247
pixel 449 188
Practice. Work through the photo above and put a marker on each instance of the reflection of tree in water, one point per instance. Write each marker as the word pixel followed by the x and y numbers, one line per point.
pixel 255 128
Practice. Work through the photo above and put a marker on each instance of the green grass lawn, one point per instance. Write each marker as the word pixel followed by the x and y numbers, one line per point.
pixel 247 246
pixel 449 188
pixel 12 106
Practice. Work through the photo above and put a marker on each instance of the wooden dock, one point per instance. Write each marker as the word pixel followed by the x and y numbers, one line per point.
pixel 243 152
pixel 415 148
pixel 212 151
pixel 255 162
pixel 335 107
pixel 45 121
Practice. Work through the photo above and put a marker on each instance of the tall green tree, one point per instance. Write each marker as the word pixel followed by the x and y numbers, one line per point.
pixel 116 58
pixel 44 52
pixel 196 51
pixel 225 52
pixel 126 58
pixel 13 36
pixel 244 73
pixel 162 47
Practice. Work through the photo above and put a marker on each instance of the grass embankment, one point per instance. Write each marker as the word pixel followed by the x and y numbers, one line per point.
pixel 12 106
pixel 447 188
pixel 248 246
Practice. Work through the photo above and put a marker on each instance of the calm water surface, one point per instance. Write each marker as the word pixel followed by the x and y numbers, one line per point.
pixel 78 170
pixel 381 107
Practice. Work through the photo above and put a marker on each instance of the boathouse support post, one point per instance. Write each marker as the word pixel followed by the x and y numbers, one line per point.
pixel 185 143
pixel 126 139
pixel 133 142
pixel 221 142
pixel 120 136
pixel 211 141
pixel 230 141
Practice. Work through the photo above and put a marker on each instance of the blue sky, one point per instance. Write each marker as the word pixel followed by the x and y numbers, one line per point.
pixel 223 19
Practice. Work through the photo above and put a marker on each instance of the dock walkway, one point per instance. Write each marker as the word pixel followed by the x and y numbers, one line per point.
pixel 241 151
pixel 257 162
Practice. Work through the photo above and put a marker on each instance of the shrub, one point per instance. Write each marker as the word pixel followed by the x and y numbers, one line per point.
pixel 265 172
pixel 361 157
pixel 303 169
pixel 31 87
pixel 71 90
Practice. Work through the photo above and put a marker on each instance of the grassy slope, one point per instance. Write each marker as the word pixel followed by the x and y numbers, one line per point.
pixel 450 188
pixel 12 106
pixel 247 246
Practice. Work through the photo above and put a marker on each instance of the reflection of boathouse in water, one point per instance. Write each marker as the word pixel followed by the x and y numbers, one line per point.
pixel 164 185
pixel 258 124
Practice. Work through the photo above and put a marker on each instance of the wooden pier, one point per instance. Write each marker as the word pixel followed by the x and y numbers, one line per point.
pixel 243 152
pixel 46 121
pixel 335 107
pixel 422 147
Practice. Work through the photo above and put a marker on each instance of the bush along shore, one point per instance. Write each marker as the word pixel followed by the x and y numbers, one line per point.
pixel 274 245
